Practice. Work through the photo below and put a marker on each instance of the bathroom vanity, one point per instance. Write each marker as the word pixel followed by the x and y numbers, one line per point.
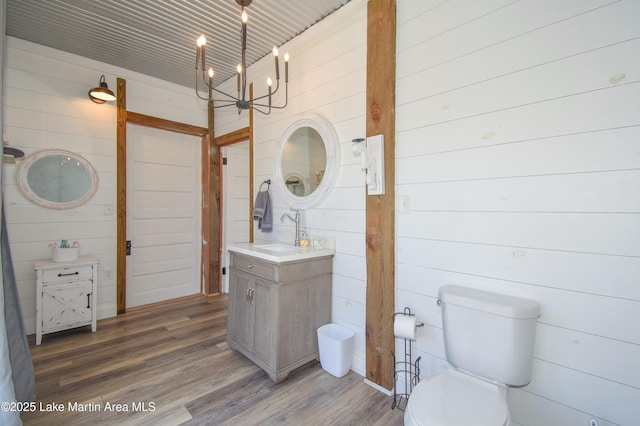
pixel 279 295
pixel 65 295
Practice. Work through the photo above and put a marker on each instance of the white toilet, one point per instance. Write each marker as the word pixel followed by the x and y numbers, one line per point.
pixel 489 339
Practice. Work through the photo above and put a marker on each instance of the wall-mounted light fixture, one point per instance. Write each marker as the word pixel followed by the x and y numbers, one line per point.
pixel 371 153
pixel 101 94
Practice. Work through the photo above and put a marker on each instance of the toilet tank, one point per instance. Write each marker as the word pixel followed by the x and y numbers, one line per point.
pixel 488 334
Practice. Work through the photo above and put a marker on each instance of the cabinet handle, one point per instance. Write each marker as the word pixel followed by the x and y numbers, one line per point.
pixel 249 295
pixel 89 301
pixel 68 275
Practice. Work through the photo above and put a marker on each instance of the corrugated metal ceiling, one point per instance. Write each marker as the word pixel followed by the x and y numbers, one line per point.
pixel 158 37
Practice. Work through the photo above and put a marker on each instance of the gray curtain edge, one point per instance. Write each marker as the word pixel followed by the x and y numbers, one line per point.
pixel 19 355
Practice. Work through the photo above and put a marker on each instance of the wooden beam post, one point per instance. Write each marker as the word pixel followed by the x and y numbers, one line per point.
pixel 215 240
pixel 251 166
pixel 380 237
pixel 121 196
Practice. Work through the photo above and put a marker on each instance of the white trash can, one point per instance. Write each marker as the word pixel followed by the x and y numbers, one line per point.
pixel 335 344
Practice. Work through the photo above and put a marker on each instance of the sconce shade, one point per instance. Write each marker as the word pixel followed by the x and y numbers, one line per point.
pixel 101 94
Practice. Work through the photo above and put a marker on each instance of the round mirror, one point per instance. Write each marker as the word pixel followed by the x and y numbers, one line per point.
pixel 306 161
pixel 57 179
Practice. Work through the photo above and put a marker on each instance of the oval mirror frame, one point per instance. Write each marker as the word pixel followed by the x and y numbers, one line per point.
pixel 80 168
pixel 332 150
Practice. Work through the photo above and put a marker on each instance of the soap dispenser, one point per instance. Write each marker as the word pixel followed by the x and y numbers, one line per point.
pixel 305 241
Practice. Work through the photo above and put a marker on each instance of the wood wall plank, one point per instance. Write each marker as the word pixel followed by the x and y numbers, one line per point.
pixel 380 240
pixel 517 128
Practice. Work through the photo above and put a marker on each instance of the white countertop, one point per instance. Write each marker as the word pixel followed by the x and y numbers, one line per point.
pixel 279 252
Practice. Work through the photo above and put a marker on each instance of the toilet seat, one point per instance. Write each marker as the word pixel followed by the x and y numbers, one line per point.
pixel 453 398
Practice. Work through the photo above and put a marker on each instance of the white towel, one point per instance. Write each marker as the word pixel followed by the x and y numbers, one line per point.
pixel 262 212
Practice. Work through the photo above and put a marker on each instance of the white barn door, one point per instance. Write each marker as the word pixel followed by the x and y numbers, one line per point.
pixel 163 215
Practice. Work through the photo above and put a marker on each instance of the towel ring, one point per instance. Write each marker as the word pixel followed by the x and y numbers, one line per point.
pixel 268 182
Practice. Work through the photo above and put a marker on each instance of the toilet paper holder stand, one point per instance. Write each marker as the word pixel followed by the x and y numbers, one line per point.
pixel 406 371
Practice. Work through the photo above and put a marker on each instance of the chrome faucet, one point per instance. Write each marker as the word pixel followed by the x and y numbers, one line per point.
pixel 296 220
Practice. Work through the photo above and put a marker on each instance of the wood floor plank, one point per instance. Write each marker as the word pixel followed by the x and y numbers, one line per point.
pixel 170 364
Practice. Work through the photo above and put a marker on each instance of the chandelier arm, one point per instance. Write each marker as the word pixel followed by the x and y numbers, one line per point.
pixel 260 111
pixel 272 93
pixel 225 105
pixel 277 87
pixel 254 105
pixel 286 99
pixel 204 79
pixel 197 92
pixel 261 97
pixel 201 97
pixel 227 95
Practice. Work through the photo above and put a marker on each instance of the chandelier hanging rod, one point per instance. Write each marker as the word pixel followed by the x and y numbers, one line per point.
pixel 240 101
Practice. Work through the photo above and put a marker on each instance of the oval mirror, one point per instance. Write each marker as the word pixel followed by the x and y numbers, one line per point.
pixel 57 179
pixel 306 161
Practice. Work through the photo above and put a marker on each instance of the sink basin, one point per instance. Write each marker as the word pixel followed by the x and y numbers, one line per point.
pixel 277 247
pixel 279 252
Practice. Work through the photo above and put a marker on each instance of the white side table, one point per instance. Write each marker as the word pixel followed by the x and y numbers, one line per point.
pixel 66 295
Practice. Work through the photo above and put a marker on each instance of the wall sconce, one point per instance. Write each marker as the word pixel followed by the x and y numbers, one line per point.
pixel 101 94
pixel 371 153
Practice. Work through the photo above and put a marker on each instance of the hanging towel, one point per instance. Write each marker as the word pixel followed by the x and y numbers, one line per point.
pixel 262 212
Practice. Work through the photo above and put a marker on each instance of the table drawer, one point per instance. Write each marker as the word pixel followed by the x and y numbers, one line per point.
pixel 71 273
pixel 254 266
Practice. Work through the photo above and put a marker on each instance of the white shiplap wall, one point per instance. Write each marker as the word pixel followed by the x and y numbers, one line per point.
pixel 46 106
pixel 518 148
pixel 327 77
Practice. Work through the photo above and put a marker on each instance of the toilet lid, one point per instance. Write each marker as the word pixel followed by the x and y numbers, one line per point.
pixel 456 399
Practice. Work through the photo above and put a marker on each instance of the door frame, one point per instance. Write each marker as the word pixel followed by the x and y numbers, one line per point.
pixel 208 192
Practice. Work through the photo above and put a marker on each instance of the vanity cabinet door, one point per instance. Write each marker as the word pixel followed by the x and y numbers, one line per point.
pixel 66 305
pixel 265 328
pixel 241 310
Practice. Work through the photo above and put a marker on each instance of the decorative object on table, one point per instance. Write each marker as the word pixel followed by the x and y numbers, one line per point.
pixel 65 251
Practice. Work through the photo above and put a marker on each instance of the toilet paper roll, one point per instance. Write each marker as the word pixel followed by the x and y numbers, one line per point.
pixel 404 326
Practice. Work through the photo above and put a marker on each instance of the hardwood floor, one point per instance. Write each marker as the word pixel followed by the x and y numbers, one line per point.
pixel 169 364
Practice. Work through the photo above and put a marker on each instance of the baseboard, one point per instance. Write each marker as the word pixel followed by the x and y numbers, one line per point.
pixel 378 387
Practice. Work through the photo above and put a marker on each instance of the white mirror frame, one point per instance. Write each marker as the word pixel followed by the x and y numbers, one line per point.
pixel 23 183
pixel 332 149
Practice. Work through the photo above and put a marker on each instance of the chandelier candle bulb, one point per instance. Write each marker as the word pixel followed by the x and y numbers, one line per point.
pixel 275 55
pixel 202 41
pixel 286 67
pixel 269 84
pixel 245 18
pixel 239 69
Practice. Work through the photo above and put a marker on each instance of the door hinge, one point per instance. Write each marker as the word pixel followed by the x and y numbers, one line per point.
pixel 128 247
pixel 224 271
pixel 224 161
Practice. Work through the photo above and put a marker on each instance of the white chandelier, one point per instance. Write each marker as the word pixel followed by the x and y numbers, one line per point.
pixel 261 104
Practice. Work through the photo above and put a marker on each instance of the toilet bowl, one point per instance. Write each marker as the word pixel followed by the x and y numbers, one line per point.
pixel 489 341
pixel 454 398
